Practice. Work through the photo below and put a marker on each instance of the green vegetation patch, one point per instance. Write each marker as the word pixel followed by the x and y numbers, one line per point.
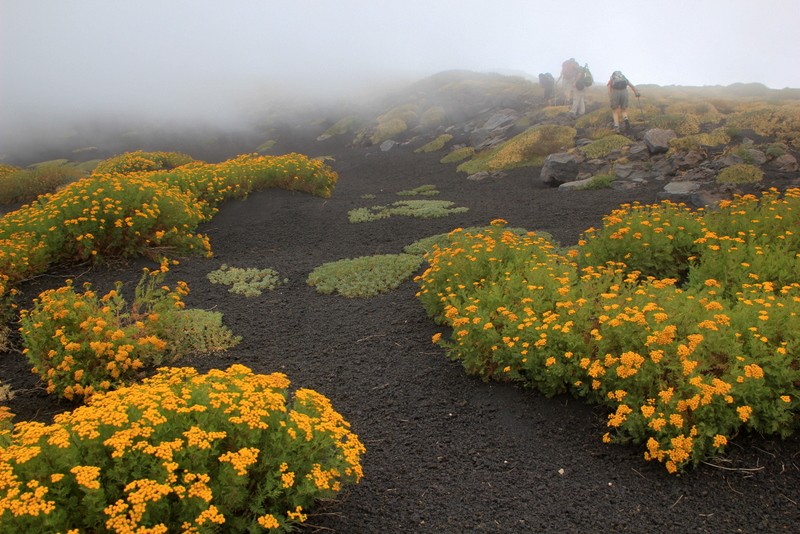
pixel 682 124
pixel 529 148
pixel 388 129
pixel 714 138
pixel 432 116
pixel 600 181
pixel 459 154
pixel 423 190
pixel 436 144
pixel 421 209
pixel 24 185
pixel 266 146
pixel 741 173
pixel 604 146
pixel 365 276
pixel 342 126
pixel 248 282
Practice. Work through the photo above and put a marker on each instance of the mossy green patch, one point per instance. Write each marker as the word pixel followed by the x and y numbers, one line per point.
pixel 459 154
pixel 365 276
pixel 741 173
pixel 248 282
pixel 527 149
pixel 604 146
pixel 423 190
pixel 420 209
pixel 436 144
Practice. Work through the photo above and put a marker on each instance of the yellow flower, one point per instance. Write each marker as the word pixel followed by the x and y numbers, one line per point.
pixel 268 521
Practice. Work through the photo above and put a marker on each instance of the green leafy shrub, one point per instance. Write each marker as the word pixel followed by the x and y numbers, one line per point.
pixel 529 148
pixel 246 282
pixel 365 276
pixel 227 450
pixel 24 185
pixel 600 148
pixel 420 209
pixel 459 154
pixel 81 344
pixel 741 173
pixel 436 144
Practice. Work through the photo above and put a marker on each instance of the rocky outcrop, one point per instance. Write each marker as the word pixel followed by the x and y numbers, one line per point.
pixel 560 168
pixel 657 140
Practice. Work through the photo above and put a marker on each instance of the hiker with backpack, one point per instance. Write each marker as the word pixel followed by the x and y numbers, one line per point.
pixel 583 81
pixel 549 85
pixel 569 73
pixel 618 95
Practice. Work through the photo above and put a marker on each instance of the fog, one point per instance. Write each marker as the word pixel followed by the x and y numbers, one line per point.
pixel 186 62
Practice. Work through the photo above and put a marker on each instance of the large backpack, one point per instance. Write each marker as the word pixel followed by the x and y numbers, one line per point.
pixel 588 79
pixel 619 81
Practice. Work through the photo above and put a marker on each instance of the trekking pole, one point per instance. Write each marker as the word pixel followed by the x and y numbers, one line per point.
pixel 639 101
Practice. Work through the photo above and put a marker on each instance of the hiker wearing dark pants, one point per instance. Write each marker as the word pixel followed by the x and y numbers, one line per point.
pixel 618 95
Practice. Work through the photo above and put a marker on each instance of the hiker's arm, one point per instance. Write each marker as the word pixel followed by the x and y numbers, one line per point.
pixel 635 91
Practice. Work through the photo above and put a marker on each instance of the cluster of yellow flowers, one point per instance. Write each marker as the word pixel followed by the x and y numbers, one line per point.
pixel 171 460
pixel 667 358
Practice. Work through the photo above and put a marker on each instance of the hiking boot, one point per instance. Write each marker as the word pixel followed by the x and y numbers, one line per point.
pixel 616 127
pixel 627 124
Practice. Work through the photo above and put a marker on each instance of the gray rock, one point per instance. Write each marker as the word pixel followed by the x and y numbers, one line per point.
pixel 502 119
pixel 785 163
pixel 679 191
pixel 388 145
pixel 560 168
pixel 690 159
pixel 657 140
pixel 577 184
pixel 638 151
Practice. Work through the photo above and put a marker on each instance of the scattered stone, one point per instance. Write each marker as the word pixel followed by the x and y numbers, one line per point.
pixel 657 140
pixel 388 145
pixel 785 163
pixel 638 151
pixel 559 168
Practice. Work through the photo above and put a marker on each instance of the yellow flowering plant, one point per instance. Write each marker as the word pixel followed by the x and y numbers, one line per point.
pixel 80 343
pixel 683 365
pixel 225 451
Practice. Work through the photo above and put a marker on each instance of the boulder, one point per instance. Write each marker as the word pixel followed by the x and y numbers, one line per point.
pixel 785 163
pixel 560 168
pixel 679 191
pixel 688 160
pixel 638 151
pixel 657 140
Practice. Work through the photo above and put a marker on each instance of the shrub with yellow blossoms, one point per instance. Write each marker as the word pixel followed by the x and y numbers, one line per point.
pixel 227 450
pixel 682 363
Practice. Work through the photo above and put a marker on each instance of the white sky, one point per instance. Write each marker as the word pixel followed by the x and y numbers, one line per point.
pixel 59 57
